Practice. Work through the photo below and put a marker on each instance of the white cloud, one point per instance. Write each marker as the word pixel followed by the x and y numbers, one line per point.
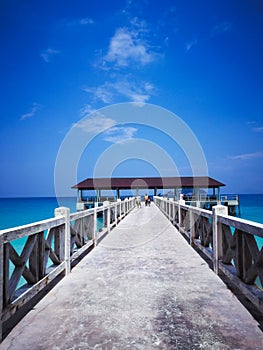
pixel 125 48
pixel 102 92
pixel 99 123
pixel 258 129
pixel 86 20
pixel 48 54
pixel 86 110
pixel 120 134
pixel 34 109
pixel 190 44
pixel 247 156
pixel 128 49
pixel 135 92
pixel 129 45
pixel 221 27
pixel 96 124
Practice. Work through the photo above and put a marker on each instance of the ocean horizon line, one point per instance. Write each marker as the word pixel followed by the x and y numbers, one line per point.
pixel 75 196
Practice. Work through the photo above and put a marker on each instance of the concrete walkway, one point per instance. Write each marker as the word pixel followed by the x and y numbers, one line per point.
pixel 142 287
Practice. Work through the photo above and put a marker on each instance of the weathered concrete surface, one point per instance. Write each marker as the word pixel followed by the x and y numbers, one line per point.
pixel 143 287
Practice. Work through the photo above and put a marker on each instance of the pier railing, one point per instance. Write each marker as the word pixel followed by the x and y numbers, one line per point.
pixel 46 250
pixel 233 245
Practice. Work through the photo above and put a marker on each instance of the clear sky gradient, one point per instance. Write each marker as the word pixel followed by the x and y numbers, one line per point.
pixel 61 60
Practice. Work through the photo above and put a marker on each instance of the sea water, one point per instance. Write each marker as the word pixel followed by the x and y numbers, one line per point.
pixel 251 207
pixel 20 211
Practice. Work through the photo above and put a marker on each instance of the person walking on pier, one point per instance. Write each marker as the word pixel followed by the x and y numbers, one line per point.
pixel 138 201
pixel 146 199
pixel 149 201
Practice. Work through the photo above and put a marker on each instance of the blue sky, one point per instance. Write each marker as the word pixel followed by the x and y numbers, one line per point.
pixel 63 60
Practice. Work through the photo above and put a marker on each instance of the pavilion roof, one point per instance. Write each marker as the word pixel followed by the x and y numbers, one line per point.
pixel 148 182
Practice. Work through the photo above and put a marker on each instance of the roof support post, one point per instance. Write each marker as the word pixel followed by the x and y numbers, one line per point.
pixel 177 194
pixel 196 194
pixel 98 195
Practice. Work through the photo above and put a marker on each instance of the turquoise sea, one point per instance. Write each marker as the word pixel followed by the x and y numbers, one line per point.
pixel 21 211
pixel 251 207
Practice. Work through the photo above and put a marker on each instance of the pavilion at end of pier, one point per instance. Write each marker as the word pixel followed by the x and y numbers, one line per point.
pixel 200 191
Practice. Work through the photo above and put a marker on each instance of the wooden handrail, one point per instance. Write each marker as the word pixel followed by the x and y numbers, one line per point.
pixel 49 249
pixel 233 245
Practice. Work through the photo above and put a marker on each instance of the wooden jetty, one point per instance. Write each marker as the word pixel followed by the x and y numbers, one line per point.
pixel 143 286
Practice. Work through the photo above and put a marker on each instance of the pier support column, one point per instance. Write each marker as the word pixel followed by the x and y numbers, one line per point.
pixel 217 236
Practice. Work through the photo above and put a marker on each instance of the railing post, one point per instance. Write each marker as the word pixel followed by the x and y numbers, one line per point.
pixel 176 213
pixel 217 236
pixel 107 215
pixel 192 227
pixel 119 209
pixel 173 218
pixel 115 213
pixel 179 215
pixel 181 202
pixel 66 213
pixel 1 283
pixel 159 203
pixel 125 206
pixel 95 225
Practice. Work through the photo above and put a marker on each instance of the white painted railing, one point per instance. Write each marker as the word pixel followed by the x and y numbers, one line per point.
pixel 48 250
pixel 233 245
